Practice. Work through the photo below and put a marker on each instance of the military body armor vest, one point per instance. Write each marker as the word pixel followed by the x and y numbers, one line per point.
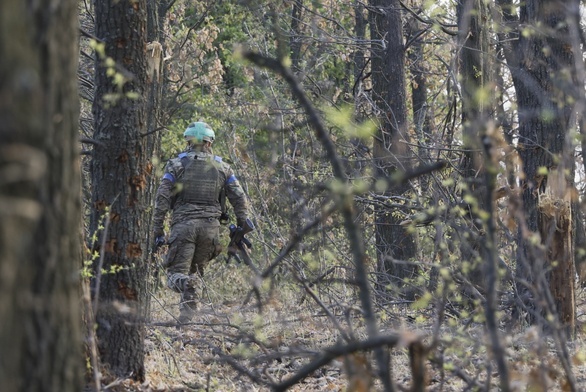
pixel 201 182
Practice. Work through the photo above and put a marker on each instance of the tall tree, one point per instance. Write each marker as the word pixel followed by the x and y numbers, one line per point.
pixel 541 66
pixel 156 89
pixel 40 215
pixel 423 112
pixel 358 89
pixel 423 120
pixel 475 81
pixel 391 152
pixel 295 39
pixel 294 168
pixel 120 173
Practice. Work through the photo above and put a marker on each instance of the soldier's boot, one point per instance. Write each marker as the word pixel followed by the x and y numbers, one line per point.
pixel 188 305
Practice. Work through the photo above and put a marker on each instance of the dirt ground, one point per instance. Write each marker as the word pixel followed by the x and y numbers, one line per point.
pixel 233 346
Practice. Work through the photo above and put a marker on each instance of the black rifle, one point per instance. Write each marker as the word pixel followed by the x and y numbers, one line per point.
pixel 239 244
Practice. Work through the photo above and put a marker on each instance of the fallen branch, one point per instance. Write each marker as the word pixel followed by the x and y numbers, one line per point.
pixel 331 353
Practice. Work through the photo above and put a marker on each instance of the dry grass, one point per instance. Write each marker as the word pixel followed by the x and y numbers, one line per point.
pixel 273 344
pixel 191 358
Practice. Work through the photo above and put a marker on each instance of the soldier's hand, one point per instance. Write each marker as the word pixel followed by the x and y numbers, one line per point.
pixel 159 241
pixel 233 254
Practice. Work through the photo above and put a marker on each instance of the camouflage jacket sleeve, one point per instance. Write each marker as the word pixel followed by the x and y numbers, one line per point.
pixel 164 196
pixel 235 194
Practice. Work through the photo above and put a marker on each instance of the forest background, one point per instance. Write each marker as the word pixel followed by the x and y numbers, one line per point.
pixel 414 170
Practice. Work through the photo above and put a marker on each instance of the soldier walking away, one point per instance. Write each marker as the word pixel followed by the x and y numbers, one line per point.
pixel 194 188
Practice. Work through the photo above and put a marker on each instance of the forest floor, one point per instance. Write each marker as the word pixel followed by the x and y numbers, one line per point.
pixel 231 342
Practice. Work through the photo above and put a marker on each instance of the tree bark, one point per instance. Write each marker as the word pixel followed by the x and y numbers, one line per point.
pixel 40 198
pixel 121 173
pixel 391 152
pixel 423 117
pixel 541 65
pixel 296 39
pixel 475 79
pixel 360 149
pixel 155 121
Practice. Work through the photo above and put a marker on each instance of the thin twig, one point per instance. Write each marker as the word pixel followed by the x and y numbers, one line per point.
pixel 346 202
pixel 92 341
pixel 331 353
pixel 101 261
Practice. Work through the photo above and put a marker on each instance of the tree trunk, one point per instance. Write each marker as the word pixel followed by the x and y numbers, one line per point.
pixel 391 152
pixel 423 116
pixel 296 39
pixel 539 66
pixel 475 78
pixel 576 33
pixel 120 176
pixel 297 146
pixel 155 121
pixel 580 242
pixel 40 213
pixel 423 119
pixel 360 150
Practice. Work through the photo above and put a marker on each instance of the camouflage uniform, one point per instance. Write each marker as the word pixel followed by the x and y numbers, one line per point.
pixel 191 188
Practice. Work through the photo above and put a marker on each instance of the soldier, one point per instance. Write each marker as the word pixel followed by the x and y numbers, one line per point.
pixel 194 187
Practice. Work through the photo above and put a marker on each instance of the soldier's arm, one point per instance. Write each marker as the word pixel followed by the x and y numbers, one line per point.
pixel 236 195
pixel 163 199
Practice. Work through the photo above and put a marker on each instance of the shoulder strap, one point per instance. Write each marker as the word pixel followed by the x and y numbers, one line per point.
pixel 184 160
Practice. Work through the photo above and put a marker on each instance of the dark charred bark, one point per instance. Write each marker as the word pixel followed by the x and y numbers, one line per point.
pixel 391 152
pixel 544 117
pixel 121 172
pixel 541 65
pixel 475 80
pixel 40 207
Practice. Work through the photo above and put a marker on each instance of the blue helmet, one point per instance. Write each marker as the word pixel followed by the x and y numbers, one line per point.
pixel 199 132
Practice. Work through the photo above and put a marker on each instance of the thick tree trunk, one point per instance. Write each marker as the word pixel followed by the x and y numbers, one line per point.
pixel 121 171
pixel 555 209
pixel 539 66
pixel 391 152
pixel 40 213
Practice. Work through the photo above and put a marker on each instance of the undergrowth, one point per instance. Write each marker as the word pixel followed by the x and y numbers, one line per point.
pixel 236 345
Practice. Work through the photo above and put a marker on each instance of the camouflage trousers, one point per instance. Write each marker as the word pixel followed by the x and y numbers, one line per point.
pixel 192 245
